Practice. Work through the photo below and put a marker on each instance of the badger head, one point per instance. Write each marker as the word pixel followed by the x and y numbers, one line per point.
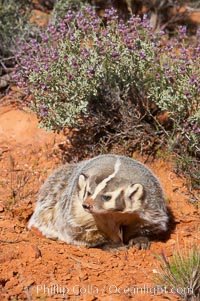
pixel 108 192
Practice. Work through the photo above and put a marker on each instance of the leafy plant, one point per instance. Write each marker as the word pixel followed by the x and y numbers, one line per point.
pixel 14 16
pixel 181 274
pixel 84 67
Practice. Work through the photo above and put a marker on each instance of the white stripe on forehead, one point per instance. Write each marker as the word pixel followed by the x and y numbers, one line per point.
pixel 103 183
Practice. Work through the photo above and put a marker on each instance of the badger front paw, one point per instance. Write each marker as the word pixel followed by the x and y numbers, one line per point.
pixel 140 242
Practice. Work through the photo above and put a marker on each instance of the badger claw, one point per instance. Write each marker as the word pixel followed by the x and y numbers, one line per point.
pixel 140 243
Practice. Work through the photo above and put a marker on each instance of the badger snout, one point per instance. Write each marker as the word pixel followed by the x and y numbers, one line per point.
pixel 87 205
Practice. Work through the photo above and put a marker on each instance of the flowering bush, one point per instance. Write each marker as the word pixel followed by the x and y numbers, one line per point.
pixel 77 63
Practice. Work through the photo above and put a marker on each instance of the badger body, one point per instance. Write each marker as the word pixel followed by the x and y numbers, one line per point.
pixel 106 198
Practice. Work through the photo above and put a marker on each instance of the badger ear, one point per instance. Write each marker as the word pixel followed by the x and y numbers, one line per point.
pixel 82 181
pixel 136 192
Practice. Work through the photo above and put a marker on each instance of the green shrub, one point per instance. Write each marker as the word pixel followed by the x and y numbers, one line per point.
pixel 13 18
pixel 84 67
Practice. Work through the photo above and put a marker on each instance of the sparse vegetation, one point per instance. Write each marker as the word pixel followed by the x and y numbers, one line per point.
pixel 181 273
pixel 19 182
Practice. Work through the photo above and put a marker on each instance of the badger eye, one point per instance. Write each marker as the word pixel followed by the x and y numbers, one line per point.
pixel 106 198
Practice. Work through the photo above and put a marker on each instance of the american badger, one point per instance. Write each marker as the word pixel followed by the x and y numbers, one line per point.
pixel 106 198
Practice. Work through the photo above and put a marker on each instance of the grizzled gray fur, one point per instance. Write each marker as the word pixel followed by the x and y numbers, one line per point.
pixel 103 199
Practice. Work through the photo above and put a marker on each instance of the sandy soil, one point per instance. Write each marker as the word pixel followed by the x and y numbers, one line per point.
pixel 33 267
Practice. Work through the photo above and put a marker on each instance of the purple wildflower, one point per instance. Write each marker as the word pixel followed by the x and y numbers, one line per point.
pixel 45 67
pixel 183 30
pixel 70 76
pixel 161 32
pixel 91 70
pixel 43 110
pixel 142 54
pixel 166 67
pixel 72 38
pixel 169 47
pixel 187 94
pixel 85 54
pixel 115 54
pixel 52 29
pixel 44 37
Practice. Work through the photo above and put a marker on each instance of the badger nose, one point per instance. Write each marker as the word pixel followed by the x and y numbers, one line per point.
pixel 87 206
